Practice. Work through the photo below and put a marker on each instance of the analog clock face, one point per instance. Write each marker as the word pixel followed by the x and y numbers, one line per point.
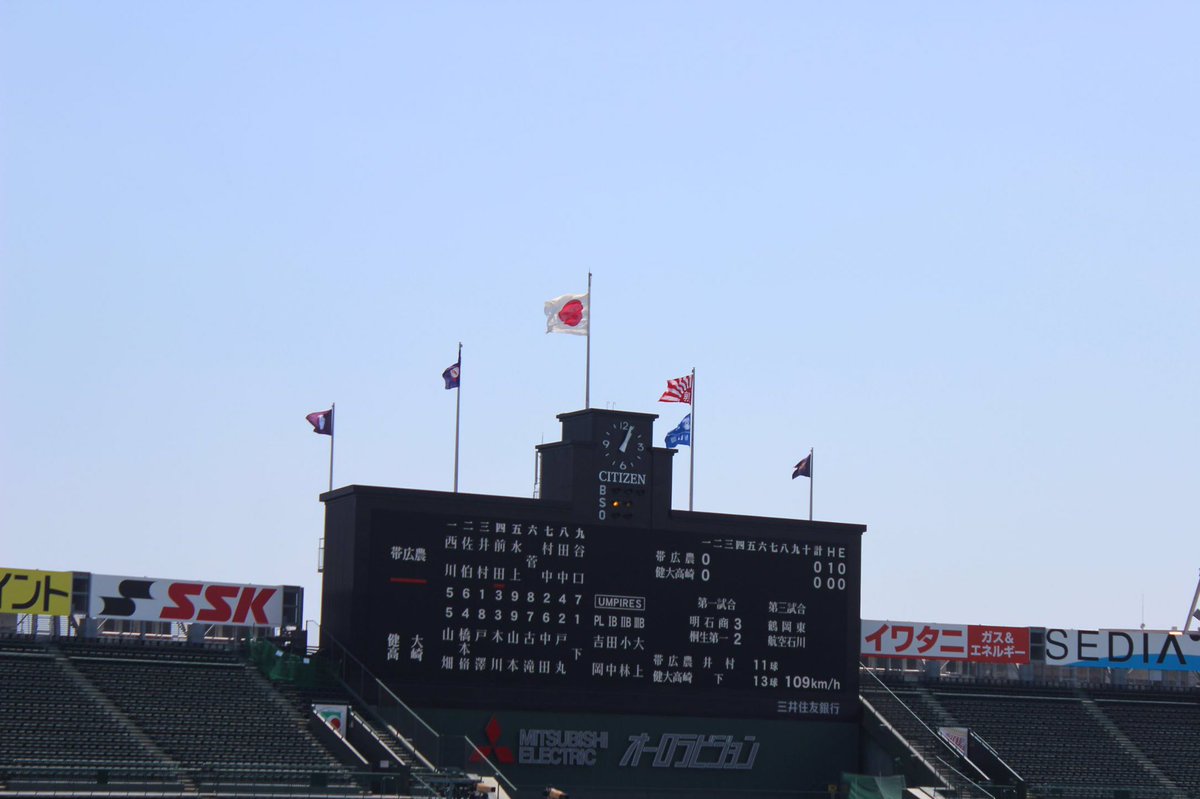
pixel 623 445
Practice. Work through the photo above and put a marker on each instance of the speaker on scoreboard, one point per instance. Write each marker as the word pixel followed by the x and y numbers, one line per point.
pixel 293 605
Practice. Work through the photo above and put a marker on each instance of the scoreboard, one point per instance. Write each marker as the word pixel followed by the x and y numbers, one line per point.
pixel 681 651
pixel 524 610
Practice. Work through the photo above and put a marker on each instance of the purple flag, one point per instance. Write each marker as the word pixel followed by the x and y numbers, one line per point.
pixel 322 422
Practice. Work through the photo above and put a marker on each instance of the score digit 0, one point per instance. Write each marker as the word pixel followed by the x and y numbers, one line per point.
pixel 830 583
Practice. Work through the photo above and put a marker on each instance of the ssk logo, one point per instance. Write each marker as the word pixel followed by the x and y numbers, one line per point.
pixel 124 605
pixel 178 600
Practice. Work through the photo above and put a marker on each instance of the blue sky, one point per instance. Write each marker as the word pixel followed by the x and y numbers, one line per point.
pixel 952 247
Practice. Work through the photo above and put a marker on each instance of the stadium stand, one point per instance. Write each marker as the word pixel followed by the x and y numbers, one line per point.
pixel 1166 731
pixel 122 717
pixel 168 718
pixel 54 731
pixel 1100 742
pixel 1046 739
pixel 176 719
pixel 213 714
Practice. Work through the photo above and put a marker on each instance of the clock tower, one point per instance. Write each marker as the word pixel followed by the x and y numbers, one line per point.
pixel 607 468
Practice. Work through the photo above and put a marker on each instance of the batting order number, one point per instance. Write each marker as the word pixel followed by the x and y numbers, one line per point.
pixel 829 575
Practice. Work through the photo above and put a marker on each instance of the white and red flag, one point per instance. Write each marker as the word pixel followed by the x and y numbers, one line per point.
pixel 678 390
pixel 567 314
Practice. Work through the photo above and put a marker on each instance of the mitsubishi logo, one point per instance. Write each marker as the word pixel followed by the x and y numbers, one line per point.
pixel 493 750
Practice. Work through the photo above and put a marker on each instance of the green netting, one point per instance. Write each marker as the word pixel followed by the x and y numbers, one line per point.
pixel 862 786
pixel 285 667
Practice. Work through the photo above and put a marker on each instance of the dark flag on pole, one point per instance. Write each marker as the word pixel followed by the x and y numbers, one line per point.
pixel 322 422
pixel 805 469
pixel 453 377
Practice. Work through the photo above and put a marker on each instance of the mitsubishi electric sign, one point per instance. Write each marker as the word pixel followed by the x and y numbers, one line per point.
pixel 561 747
pixel 597 753
pixel 664 750
pixel 586 747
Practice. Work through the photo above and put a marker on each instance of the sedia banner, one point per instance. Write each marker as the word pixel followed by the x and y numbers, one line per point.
pixel 1155 650
pixel 151 599
pixel 35 592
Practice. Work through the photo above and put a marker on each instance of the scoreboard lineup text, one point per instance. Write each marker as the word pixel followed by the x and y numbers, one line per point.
pixel 551 615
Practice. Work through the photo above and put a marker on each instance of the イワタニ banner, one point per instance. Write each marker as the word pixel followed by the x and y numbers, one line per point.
pixel 935 641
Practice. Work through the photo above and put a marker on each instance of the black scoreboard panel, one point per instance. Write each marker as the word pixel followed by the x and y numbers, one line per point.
pixel 469 611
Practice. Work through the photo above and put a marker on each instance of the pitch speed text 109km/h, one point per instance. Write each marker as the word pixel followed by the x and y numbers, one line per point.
pixel 829 575
pixel 797 681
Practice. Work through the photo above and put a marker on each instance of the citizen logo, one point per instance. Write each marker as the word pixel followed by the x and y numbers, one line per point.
pixel 623 477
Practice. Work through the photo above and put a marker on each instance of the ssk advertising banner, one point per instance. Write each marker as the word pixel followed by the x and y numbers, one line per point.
pixel 933 641
pixel 1123 649
pixel 187 601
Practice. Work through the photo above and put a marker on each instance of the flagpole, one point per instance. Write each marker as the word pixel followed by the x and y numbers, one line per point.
pixel 692 455
pixel 1192 612
pixel 587 379
pixel 811 472
pixel 457 414
pixel 332 433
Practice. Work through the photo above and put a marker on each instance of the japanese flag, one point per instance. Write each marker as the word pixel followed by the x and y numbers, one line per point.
pixel 567 314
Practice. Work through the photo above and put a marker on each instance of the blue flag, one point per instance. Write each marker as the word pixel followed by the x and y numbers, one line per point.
pixel 452 374
pixel 681 435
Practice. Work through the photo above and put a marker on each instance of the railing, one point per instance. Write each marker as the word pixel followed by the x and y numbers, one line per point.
pixel 1010 773
pixel 437 752
pixel 253 780
pixel 947 753
pixel 1051 790
pixel 143 781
